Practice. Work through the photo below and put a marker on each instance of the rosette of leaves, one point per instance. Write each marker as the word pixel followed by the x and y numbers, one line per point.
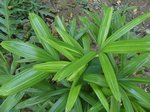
pixel 80 74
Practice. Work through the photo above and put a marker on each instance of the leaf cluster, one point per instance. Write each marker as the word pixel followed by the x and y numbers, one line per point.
pixel 78 72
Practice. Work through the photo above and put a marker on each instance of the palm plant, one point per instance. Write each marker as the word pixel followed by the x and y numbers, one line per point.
pixel 73 74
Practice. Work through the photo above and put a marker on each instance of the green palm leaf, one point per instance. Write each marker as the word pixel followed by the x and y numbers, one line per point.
pixel 100 96
pixel 128 46
pixel 123 30
pixel 73 95
pixel 110 75
pixel 74 66
pixel 21 81
pixel 41 29
pixel 105 25
pixel 27 50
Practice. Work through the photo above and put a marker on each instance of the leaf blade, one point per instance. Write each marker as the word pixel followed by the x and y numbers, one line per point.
pixel 110 75
pixel 127 28
pixel 52 66
pixel 134 65
pixel 27 50
pixel 127 46
pixel 100 96
pixel 41 29
pixel 105 25
pixel 21 81
pixel 73 94
pixel 75 65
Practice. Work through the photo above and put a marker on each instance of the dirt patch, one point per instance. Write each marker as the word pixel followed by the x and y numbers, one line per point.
pixel 73 8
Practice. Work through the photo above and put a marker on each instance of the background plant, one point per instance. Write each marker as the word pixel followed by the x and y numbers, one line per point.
pixel 80 74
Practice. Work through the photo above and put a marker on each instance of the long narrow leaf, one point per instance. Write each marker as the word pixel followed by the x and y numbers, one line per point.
pixel 5 78
pixel 134 65
pixel 138 108
pixel 64 48
pixel 115 105
pixel 96 79
pixel 10 102
pixel 52 66
pixel 59 106
pixel 86 43
pixel 100 96
pixel 96 108
pixel 39 99
pixel 105 25
pixel 136 80
pixel 73 94
pixel 78 106
pixel 128 46
pixel 59 23
pixel 88 98
pixel 123 30
pixel 74 66
pixel 27 50
pixel 42 30
pixel 126 101
pixel 69 39
pixel 4 67
pixel 73 27
pixel 91 27
pixel 142 97
pixel 110 75
pixel 21 81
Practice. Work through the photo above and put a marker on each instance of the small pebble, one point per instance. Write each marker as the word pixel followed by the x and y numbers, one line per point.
pixel 147 31
pixel 119 2
pixel 135 11
pixel 147 89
